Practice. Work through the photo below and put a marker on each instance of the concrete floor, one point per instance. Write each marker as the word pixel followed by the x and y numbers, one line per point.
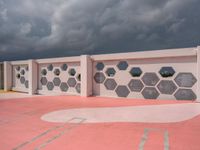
pixel 21 126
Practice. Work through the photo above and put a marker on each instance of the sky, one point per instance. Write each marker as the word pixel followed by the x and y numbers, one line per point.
pixel 55 28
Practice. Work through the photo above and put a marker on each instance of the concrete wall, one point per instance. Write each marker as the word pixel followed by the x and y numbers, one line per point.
pixel 165 74
pixel 1 76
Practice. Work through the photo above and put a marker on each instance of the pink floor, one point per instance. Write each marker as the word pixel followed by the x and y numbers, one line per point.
pixel 21 127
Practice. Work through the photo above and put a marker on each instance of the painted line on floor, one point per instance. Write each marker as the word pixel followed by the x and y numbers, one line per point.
pixel 41 135
pixel 145 137
pixel 74 125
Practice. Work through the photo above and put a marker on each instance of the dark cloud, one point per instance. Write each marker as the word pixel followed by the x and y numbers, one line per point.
pixel 35 28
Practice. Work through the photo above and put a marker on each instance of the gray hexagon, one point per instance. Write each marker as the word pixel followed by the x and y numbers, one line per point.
pixel 185 79
pixel 167 87
pixel 135 85
pixel 22 80
pixel 110 72
pixel 26 84
pixel 43 80
pixel 78 88
pixel 150 93
pixel 122 91
pixel 64 67
pixel 22 72
pixel 99 77
pixel 71 82
pixel 72 72
pixel 150 79
pixel 44 72
pixel 110 84
pixel 135 72
pixel 99 66
pixel 64 87
pixel 50 67
pixel 122 65
pixel 185 94
pixel 17 68
pixel 50 86
pixel 166 72
pixel 56 81
pixel 57 72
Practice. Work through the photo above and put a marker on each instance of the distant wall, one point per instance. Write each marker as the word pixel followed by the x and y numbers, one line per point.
pixel 165 74
pixel 1 76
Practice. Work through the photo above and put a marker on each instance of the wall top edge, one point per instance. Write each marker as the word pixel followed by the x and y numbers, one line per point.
pixel 59 60
pixel 22 62
pixel 181 52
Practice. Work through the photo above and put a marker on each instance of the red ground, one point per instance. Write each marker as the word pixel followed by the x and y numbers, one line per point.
pixel 21 127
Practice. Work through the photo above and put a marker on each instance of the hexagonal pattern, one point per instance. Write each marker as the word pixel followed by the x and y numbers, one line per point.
pixel 50 67
pixel 135 85
pixel 150 93
pixel 44 72
pixel 18 76
pixel 56 81
pixel 185 79
pixel 99 77
pixel 110 72
pixel 167 87
pixel 50 86
pixel 57 72
pixel 122 91
pixel 122 65
pixel 22 80
pixel 150 79
pixel 26 84
pixel 78 88
pixel 167 72
pixel 71 82
pixel 185 94
pixel 99 66
pixel 64 67
pixel 64 87
pixel 18 68
pixel 43 80
pixel 22 72
pixel 110 84
pixel 135 72
pixel 72 72
pixel 78 77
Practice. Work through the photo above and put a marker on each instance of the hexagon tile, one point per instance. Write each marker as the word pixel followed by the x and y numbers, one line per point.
pixel 110 84
pixel 64 87
pixel 185 79
pixel 122 91
pixel 150 93
pixel 110 72
pixel 71 82
pixel 56 81
pixel 50 86
pixel 122 65
pixel 166 72
pixel 43 80
pixel 185 94
pixel 99 66
pixel 167 87
pixel 135 85
pixel 99 77
pixel 135 72
pixel 150 79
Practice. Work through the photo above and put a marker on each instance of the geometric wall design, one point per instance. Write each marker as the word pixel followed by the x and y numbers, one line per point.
pixel 60 78
pixel 20 77
pixel 134 79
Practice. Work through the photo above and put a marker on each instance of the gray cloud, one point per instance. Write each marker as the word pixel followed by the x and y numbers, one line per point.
pixel 35 28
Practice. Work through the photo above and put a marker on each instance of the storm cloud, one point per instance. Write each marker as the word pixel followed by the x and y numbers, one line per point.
pixel 49 28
